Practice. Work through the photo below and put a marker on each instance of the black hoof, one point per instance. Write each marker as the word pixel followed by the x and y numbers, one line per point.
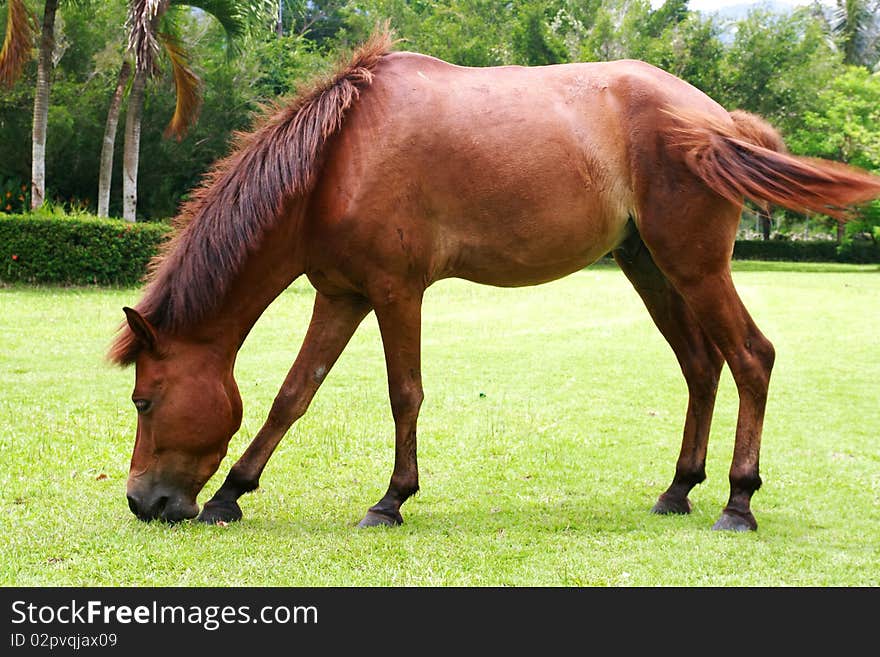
pixel 214 512
pixel 668 504
pixel 735 521
pixel 380 519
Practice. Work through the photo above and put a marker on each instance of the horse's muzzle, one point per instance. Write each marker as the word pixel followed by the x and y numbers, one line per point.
pixel 160 505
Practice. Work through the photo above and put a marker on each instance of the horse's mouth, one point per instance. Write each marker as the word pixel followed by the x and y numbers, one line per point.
pixel 164 509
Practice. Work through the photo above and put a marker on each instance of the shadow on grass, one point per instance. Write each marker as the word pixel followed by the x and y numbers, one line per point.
pixel 529 518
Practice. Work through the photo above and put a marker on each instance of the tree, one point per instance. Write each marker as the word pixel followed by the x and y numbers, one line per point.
pixel 108 144
pixel 534 43
pixel 692 50
pixel 19 32
pixel 856 25
pixel 154 29
pixel 316 20
pixel 845 127
pixel 776 67
pixel 41 105
pixel 623 29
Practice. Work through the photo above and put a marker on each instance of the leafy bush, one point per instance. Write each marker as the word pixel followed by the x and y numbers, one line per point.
pixel 77 249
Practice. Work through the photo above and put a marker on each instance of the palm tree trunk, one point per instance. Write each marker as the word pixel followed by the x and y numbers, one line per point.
pixel 41 106
pixel 765 222
pixel 106 175
pixel 131 155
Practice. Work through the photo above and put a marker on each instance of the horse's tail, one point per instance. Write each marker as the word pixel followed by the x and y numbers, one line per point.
pixel 746 157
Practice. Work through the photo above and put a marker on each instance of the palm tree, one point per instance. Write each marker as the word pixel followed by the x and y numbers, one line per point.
pixel 153 31
pixel 20 33
pixel 105 175
pixel 856 24
pixel 41 105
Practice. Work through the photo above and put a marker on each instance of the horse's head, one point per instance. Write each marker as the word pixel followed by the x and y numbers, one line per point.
pixel 188 409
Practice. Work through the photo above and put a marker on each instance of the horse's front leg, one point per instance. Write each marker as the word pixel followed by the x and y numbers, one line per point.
pixel 400 325
pixel 334 321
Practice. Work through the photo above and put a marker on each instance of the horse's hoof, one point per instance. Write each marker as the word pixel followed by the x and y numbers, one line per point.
pixel 377 519
pixel 735 521
pixel 667 504
pixel 214 512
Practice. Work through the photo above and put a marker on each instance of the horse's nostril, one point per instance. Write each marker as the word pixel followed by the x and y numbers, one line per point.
pixel 147 510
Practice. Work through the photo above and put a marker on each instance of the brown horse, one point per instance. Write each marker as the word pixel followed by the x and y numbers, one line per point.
pixel 505 176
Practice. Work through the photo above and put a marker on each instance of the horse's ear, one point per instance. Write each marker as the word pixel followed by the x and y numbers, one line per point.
pixel 142 329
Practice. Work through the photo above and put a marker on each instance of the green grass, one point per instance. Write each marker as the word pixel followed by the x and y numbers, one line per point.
pixel 552 420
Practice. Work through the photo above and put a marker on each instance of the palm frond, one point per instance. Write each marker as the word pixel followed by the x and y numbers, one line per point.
pixel 21 30
pixel 235 16
pixel 187 87
pixel 857 26
pixel 141 24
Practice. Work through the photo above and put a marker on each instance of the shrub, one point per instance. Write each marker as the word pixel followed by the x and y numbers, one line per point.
pixel 856 251
pixel 77 249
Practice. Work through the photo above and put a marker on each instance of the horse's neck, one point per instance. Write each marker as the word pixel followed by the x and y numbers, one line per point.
pixel 267 271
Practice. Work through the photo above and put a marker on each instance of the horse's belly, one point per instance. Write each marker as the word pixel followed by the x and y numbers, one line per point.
pixel 556 249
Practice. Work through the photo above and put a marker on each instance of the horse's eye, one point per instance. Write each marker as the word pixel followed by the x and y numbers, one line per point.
pixel 142 405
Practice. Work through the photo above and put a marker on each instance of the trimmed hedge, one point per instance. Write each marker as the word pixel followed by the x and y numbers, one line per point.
pixel 855 251
pixel 85 250
pixel 76 249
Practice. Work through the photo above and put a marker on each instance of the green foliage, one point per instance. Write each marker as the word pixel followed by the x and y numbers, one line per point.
pixel 844 124
pixel 692 50
pixel 320 21
pixel 618 32
pixel 283 63
pixel 784 66
pixel 89 46
pixel 533 42
pixel 76 249
pixel 777 66
pixel 14 196
pixel 464 32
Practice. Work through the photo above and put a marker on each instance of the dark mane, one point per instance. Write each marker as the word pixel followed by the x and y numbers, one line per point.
pixel 242 195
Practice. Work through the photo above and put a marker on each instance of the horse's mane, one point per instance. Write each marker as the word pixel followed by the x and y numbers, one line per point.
pixel 242 195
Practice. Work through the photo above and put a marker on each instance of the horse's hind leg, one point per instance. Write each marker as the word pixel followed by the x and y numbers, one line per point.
pixel 700 362
pixel 692 247
pixel 334 321
pixel 399 319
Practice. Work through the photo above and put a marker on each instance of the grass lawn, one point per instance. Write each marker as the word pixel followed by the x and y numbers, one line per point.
pixel 552 421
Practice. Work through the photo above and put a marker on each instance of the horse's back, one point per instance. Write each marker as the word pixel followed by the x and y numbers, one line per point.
pixel 505 175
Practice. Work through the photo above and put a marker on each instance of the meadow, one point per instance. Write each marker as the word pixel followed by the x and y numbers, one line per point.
pixel 552 420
